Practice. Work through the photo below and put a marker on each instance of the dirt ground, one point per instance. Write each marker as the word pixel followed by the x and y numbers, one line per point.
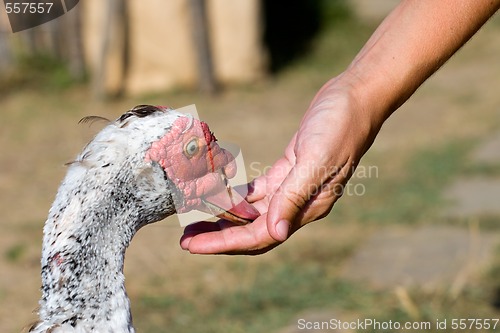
pixel 38 134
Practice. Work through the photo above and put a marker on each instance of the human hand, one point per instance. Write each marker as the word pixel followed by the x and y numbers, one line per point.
pixel 303 185
pixel 342 122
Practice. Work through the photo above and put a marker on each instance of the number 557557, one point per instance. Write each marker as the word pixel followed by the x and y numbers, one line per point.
pixel 470 324
pixel 28 7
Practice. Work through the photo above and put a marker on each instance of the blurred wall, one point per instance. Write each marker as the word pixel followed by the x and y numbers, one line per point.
pixel 160 43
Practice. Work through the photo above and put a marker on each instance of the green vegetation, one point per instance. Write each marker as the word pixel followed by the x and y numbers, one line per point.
pixel 15 252
pixel 414 194
pixel 268 303
pixel 40 72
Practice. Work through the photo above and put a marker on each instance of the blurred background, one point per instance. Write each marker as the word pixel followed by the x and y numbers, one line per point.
pixel 415 239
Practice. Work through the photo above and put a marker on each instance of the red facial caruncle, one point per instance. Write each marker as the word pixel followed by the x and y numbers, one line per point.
pixel 193 161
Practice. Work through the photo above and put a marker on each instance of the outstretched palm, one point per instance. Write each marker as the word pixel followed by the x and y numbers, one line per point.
pixel 303 185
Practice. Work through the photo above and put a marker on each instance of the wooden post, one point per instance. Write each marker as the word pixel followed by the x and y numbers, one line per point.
pixel 99 76
pixel 206 79
pixel 73 38
pixel 6 59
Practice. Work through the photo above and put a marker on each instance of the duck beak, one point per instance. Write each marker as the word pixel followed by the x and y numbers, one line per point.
pixel 229 205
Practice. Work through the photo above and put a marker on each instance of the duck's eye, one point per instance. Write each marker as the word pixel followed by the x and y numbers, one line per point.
pixel 191 148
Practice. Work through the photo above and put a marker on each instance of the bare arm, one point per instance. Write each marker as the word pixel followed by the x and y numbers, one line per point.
pixel 410 45
pixel 343 120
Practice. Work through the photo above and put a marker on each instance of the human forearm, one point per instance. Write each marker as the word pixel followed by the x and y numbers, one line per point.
pixel 409 46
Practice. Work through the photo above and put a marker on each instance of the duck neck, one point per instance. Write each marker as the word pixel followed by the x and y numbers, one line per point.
pixel 85 238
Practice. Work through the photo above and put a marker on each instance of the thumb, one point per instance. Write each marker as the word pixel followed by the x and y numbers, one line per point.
pixel 291 198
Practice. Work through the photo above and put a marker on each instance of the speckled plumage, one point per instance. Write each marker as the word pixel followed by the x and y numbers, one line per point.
pixel 109 192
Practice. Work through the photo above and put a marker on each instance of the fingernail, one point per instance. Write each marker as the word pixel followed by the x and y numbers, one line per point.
pixel 184 242
pixel 282 229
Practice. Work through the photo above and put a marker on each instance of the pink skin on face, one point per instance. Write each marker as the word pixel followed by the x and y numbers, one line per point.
pixel 193 161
